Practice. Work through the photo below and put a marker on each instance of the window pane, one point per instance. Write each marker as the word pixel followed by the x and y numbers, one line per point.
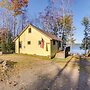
pixel 29 30
pixel 29 42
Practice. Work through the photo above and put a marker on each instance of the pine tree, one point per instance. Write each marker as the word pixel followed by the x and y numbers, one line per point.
pixel 86 40
pixel 10 44
pixel 3 43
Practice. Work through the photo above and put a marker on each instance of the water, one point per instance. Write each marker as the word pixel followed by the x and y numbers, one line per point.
pixel 75 48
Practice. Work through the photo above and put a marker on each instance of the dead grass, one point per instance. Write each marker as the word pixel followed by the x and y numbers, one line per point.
pixel 25 61
pixel 32 61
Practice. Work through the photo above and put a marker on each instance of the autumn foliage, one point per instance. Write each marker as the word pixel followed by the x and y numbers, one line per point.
pixel 14 5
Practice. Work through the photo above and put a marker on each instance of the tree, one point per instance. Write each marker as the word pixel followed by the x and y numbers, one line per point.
pixel 48 17
pixel 57 20
pixel 3 46
pixel 3 40
pixel 10 43
pixel 66 29
pixel 14 8
pixel 85 44
pixel 67 22
pixel 24 19
pixel 6 41
pixel 86 40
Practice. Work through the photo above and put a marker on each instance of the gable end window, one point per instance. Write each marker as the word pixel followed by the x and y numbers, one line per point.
pixel 29 42
pixel 29 30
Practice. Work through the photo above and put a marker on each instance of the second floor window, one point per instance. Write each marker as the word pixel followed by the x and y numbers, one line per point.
pixel 29 30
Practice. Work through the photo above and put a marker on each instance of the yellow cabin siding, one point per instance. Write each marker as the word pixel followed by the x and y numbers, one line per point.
pixel 33 48
pixel 16 46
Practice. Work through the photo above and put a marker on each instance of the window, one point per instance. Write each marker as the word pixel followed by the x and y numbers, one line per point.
pixel 29 42
pixel 20 44
pixel 54 42
pixel 29 30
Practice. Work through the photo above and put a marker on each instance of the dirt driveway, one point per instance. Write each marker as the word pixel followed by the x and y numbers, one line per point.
pixel 31 73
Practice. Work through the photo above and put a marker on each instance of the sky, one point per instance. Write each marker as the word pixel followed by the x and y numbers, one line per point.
pixel 80 8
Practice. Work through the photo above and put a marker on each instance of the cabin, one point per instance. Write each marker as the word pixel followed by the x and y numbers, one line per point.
pixel 34 41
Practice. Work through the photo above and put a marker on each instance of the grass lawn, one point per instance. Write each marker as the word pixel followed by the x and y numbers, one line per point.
pixel 29 61
pixel 25 57
pixel 7 56
pixel 21 61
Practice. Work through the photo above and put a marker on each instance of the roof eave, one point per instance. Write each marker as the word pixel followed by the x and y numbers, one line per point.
pixel 21 33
